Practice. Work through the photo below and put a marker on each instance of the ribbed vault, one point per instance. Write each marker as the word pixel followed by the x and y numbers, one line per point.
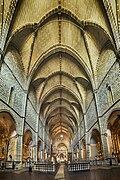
pixel 59 50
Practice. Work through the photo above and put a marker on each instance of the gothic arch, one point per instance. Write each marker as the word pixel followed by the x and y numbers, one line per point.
pixel 8 135
pixel 114 128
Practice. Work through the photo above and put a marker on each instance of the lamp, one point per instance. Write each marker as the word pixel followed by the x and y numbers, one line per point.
pixel 61 135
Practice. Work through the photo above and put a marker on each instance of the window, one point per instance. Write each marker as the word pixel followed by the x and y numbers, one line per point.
pixel 11 95
pixel 110 94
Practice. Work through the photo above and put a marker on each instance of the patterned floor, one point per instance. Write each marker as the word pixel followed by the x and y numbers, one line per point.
pixel 99 174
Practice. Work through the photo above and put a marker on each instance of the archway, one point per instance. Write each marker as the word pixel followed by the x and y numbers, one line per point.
pixel 7 137
pixel 114 127
pixel 27 146
pixel 96 145
pixel 62 153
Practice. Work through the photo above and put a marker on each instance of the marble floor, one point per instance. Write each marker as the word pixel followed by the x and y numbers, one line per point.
pixel 25 176
pixel 98 174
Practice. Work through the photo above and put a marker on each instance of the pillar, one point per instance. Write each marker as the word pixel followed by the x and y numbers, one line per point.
pixel 72 150
pixel 87 151
pixel 104 145
pixel 19 146
pixel 42 151
pixel 87 146
pixel 35 153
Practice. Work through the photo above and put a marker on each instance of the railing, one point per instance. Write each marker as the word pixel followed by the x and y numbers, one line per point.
pixel 51 168
pixel 81 166
pixel 27 164
pixel 9 164
pixel 107 162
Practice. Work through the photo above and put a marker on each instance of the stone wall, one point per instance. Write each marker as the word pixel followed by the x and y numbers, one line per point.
pixel 17 99
pixel 112 79
pixel 91 115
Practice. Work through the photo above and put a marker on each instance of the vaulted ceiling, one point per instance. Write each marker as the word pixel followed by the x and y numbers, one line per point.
pixel 59 43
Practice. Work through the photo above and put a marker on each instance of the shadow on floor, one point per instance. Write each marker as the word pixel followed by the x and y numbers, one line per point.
pixel 98 174
pixel 25 176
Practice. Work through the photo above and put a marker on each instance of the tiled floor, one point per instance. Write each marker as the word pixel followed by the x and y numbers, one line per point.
pixel 99 174
pixel 25 176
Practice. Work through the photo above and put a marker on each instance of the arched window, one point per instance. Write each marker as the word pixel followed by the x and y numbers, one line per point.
pixel 11 95
pixel 110 94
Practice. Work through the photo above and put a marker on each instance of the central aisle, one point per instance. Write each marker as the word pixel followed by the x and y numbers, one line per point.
pixel 60 173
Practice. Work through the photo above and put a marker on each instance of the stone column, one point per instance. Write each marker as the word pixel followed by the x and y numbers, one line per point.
pixel 43 147
pixel 72 150
pixel 35 147
pixel 87 151
pixel 81 151
pixel 19 146
pixel 87 146
pixel 35 153
pixel 42 151
pixel 104 145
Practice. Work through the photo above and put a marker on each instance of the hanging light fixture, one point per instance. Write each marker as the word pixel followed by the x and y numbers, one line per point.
pixel 61 135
